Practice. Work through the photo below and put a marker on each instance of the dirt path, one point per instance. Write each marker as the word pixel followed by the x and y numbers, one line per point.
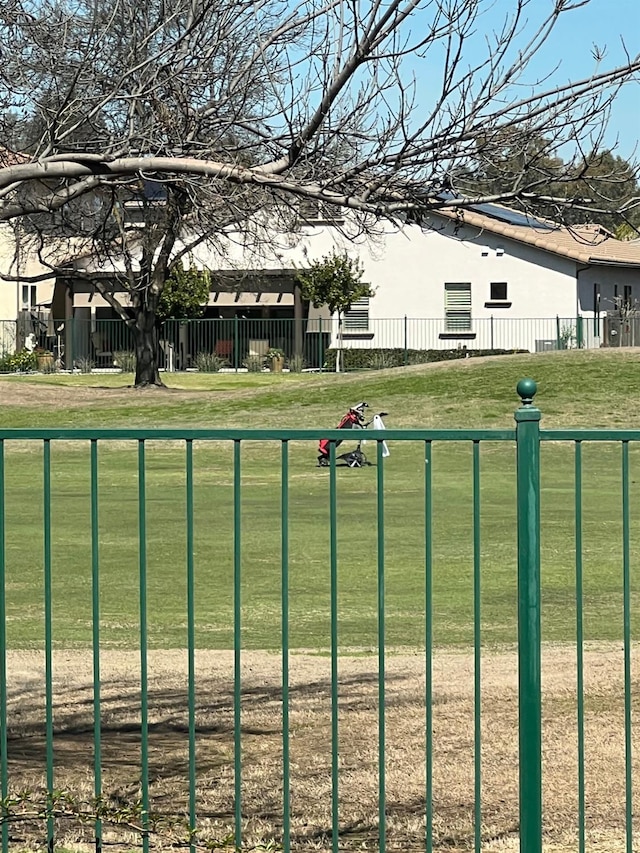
pixel 310 745
pixel 34 394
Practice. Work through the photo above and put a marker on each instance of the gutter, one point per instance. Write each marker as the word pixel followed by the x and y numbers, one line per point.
pixel 611 262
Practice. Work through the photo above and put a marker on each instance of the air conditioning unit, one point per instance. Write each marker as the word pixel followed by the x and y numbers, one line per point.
pixel 546 345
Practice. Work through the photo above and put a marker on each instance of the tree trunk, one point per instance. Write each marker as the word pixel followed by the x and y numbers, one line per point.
pixel 146 341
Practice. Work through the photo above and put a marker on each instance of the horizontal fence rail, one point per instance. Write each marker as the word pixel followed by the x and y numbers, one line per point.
pixel 239 343
pixel 239 523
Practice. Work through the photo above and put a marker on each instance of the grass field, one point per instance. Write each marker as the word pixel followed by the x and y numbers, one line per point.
pixel 471 394
pixel 576 389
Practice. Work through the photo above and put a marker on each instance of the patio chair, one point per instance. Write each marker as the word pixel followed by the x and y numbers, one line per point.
pixel 102 355
pixel 224 349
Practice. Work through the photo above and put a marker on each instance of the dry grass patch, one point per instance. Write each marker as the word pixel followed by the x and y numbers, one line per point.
pixel 310 726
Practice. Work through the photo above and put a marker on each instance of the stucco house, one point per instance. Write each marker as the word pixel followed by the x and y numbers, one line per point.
pixel 484 278
pixel 24 303
pixel 25 290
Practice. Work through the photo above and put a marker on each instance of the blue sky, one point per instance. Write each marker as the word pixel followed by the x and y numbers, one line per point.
pixel 604 23
pixel 570 51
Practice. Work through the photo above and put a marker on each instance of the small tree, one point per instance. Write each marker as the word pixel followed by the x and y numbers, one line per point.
pixel 335 281
pixel 185 294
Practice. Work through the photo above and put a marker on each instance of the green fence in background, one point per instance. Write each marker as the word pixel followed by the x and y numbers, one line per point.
pixel 140 829
pixel 240 343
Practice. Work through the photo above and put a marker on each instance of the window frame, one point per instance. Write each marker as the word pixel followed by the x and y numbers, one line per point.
pixel 495 301
pixel 317 212
pixel 356 320
pixel 494 286
pixel 31 291
pixel 457 320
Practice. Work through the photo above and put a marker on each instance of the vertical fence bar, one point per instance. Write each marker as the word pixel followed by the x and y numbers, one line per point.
pixel 381 655
pixel 626 596
pixel 529 643
pixel 284 515
pixel 477 640
pixel 237 640
pixel 579 645
pixel 144 675
pixel 428 644
pixel 406 343
pixel 95 619
pixel 236 354
pixel 333 546
pixel 4 769
pixel 48 639
pixel 191 645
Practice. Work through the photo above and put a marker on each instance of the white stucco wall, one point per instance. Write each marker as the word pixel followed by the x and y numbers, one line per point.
pixel 11 289
pixel 8 293
pixel 408 269
pixel 599 288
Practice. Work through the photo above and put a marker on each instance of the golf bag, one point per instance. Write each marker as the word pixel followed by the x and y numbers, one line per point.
pixel 353 419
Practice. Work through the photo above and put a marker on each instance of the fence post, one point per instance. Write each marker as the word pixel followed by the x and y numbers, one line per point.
pixel 529 683
pixel 235 342
pixel 406 354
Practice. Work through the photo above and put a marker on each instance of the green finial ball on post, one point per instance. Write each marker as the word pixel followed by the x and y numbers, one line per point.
pixel 526 389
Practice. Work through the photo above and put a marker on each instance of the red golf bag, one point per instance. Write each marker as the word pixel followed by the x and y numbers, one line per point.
pixel 354 419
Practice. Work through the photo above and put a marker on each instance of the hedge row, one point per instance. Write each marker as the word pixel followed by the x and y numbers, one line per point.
pixel 377 359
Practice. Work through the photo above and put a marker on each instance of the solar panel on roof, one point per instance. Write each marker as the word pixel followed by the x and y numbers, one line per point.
pixel 503 214
pixel 511 217
pixel 154 190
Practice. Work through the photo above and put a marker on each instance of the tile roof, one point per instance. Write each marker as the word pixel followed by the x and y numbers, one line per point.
pixel 587 244
pixel 12 158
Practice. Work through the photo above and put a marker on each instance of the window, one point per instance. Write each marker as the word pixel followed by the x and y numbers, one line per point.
pixel 457 306
pixel 356 319
pixel 29 297
pixel 498 295
pixel 313 211
pixel 498 291
pixel 627 295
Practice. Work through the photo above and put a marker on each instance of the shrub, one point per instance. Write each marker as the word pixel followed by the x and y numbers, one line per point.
pixel 125 360
pixel 297 364
pixel 208 362
pixel 379 359
pixel 254 363
pixel 18 362
pixel 85 364
pixel 362 359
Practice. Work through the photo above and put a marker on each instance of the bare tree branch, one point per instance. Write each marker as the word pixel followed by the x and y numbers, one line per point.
pixel 386 109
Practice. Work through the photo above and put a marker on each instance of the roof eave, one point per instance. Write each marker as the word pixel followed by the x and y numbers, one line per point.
pixel 612 262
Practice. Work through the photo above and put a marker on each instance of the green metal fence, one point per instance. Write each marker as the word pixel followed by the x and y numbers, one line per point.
pixel 133 822
pixel 239 341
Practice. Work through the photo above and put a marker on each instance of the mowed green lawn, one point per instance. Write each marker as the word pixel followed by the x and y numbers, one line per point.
pixel 599 390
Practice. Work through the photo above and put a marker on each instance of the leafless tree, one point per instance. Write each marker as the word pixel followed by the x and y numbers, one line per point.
pixel 245 107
